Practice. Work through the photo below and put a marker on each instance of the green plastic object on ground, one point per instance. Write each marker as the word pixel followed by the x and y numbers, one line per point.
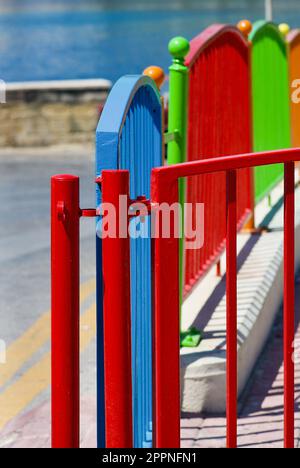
pixel 271 109
pixel 190 338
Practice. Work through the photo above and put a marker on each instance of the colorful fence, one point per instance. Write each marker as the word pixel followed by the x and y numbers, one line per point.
pixel 293 40
pixel 219 124
pixel 271 116
pixel 129 136
pixel 119 367
pixel 138 282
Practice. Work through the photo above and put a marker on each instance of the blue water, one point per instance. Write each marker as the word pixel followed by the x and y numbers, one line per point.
pixel 68 39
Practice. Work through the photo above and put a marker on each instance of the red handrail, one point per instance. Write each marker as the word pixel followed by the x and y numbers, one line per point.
pixel 65 214
pixel 163 184
pixel 240 161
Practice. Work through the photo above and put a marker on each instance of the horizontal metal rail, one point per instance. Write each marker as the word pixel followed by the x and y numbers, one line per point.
pixel 223 164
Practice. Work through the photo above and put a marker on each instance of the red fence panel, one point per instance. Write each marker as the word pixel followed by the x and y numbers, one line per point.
pixel 219 124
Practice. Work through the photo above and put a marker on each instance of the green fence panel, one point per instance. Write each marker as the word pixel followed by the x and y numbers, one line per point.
pixel 270 91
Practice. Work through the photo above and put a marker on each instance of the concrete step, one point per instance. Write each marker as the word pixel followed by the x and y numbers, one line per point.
pixel 260 292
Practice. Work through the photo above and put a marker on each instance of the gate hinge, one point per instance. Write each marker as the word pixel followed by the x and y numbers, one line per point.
pixel 88 213
pixel 172 136
pixel 133 205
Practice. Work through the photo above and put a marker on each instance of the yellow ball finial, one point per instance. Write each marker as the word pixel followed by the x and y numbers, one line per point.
pixel 284 29
pixel 245 27
pixel 157 74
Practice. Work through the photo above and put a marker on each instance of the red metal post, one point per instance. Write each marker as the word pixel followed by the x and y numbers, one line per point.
pixel 166 321
pixel 289 302
pixel 65 215
pixel 231 307
pixel 117 318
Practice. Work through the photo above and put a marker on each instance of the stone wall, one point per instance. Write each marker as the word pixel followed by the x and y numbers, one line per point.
pixel 51 113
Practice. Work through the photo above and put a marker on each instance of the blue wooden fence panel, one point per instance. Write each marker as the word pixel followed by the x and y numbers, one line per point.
pixel 129 136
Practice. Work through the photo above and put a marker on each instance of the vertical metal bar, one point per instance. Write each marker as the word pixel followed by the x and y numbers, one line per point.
pixel 269 10
pixel 166 322
pixel 117 319
pixel 65 310
pixel 289 302
pixel 231 307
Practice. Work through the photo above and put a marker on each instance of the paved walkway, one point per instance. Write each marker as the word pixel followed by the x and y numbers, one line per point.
pixel 261 407
pixel 25 273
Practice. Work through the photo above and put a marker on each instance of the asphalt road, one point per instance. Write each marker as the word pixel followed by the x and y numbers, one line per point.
pixel 25 272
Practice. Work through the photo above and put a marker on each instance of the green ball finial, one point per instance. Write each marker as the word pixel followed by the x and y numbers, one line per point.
pixel 284 29
pixel 179 47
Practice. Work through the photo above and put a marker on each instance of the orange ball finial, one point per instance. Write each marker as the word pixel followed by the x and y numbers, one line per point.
pixel 156 73
pixel 245 27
